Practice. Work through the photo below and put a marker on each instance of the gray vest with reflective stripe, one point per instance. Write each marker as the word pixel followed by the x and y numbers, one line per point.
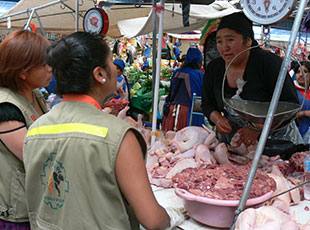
pixel 70 158
pixel 12 173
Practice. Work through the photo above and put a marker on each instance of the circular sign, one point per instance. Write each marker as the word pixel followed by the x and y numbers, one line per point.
pixel 267 12
pixel 96 21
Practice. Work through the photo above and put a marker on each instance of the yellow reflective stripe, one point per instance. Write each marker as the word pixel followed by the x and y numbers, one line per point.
pixel 68 128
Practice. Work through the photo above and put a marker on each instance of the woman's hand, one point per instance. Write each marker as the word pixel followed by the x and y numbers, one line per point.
pixel 247 136
pixel 222 123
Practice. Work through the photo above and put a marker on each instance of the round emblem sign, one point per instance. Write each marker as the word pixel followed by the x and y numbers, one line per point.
pixel 96 21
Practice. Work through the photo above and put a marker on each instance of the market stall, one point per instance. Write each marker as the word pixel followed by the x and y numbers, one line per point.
pixel 165 160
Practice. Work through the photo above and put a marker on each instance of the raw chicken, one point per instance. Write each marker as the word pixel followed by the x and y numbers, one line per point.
pixel 221 154
pixel 246 219
pixel 180 166
pixel 203 154
pixel 241 149
pixel 188 137
pixel 266 217
pixel 122 114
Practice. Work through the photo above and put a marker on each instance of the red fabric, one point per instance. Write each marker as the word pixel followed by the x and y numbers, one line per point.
pixel 168 121
pixel 302 90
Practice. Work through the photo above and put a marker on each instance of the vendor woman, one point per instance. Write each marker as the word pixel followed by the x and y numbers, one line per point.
pixel 252 76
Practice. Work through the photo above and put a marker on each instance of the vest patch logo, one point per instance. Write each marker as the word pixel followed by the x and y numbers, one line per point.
pixel 54 180
pixel 33 117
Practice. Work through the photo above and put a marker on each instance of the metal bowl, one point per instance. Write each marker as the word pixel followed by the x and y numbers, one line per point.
pixel 254 113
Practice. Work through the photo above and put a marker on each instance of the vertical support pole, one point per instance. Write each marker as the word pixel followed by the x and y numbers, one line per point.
pixel 158 66
pixel 154 42
pixel 29 19
pixel 76 15
pixel 41 26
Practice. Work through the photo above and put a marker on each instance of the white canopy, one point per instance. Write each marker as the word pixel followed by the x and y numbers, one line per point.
pixel 193 36
pixel 60 17
pixel 173 20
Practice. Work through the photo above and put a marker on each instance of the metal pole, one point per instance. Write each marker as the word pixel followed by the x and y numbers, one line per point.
pixel 154 42
pixel 271 111
pixel 34 8
pixel 76 15
pixel 29 19
pixel 156 89
pixel 41 26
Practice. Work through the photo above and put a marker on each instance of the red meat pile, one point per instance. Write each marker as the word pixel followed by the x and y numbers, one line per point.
pixel 223 182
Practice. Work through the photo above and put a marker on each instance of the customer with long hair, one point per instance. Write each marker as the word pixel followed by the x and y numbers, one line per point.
pixel 22 70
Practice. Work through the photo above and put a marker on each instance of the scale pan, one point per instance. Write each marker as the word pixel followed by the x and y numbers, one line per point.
pixel 255 113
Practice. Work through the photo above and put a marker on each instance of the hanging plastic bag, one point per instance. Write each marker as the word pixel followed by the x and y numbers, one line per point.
pixel 307 137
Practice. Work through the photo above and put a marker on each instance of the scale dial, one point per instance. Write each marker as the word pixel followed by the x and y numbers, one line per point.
pixel 96 21
pixel 267 12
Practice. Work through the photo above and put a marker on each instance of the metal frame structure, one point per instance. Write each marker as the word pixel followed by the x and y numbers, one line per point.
pixel 33 11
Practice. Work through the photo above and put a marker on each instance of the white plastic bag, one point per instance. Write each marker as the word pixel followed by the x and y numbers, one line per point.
pixel 307 137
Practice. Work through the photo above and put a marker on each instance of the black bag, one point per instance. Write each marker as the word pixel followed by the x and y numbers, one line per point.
pixel 166 107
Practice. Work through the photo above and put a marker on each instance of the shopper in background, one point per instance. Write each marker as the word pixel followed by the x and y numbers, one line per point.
pixel 185 82
pixel 22 70
pixel 302 86
pixel 176 51
pixel 85 168
pixel 145 65
pixel 121 91
pixel 252 76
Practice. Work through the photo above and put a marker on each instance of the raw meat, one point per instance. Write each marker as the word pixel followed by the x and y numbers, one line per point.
pixel 180 166
pixel 224 182
pixel 221 154
pixel 188 137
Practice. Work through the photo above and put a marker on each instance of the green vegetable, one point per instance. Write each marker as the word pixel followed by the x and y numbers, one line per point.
pixel 136 86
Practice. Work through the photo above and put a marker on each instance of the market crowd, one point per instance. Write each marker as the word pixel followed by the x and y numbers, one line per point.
pixel 71 165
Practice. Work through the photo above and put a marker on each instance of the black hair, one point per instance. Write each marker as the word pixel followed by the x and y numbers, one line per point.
pixel 119 68
pixel 294 66
pixel 306 64
pixel 73 60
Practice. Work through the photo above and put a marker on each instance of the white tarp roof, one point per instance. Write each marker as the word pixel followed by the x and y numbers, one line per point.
pixel 192 36
pixel 61 17
pixel 173 20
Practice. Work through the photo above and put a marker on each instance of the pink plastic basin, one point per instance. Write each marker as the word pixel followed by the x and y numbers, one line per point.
pixel 212 212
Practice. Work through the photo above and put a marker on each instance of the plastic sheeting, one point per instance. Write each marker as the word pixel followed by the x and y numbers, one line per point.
pixel 173 23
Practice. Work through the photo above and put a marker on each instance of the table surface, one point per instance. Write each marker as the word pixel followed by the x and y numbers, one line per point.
pixel 168 198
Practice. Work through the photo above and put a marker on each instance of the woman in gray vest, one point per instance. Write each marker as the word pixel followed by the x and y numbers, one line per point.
pixel 85 168
pixel 22 70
